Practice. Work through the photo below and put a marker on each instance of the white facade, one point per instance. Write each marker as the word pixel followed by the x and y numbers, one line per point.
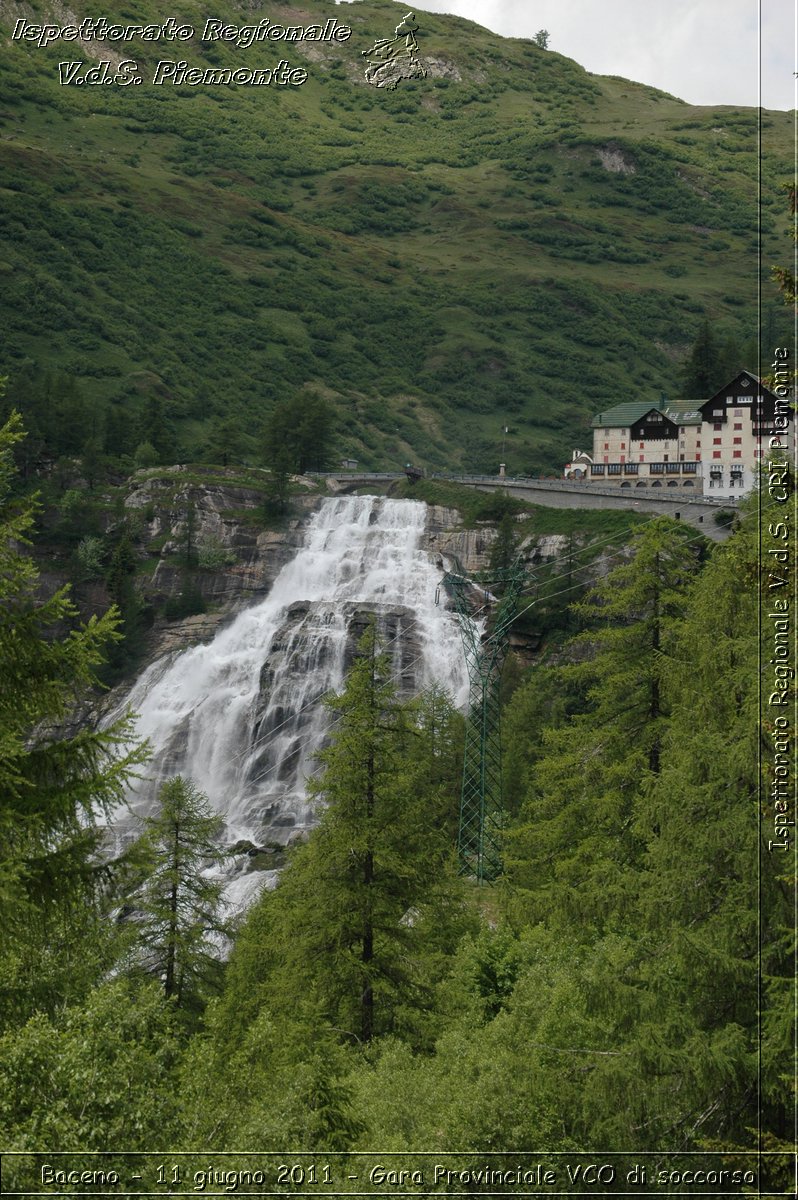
pixel 740 422
pixel 637 445
pixel 715 446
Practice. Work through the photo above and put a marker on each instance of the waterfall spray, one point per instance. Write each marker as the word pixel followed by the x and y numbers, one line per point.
pixel 241 716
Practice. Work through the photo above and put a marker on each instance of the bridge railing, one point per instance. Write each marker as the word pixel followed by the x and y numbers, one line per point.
pixel 571 485
pixel 670 495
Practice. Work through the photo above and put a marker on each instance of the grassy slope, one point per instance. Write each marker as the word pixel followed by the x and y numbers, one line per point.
pixel 437 260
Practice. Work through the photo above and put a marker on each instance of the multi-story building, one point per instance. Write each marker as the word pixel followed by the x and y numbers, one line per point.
pixel 643 445
pixel 713 445
pixel 740 423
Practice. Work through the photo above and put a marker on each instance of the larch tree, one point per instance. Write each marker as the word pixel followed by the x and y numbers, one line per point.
pixel 717 906
pixel 367 908
pixel 179 902
pixel 576 837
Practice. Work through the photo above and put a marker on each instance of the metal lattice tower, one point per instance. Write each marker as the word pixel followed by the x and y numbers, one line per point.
pixel 478 840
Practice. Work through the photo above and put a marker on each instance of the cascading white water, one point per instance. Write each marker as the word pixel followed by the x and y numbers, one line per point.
pixel 241 715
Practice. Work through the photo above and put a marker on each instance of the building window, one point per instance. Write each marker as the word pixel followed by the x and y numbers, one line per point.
pixel 757 454
pixel 717 412
pixel 698 458
pixel 623 458
pixel 630 469
pixel 738 441
pixel 606 433
pixel 657 468
pixel 606 459
pixel 718 425
pixel 664 458
pixel 698 441
pixel 672 468
pixel 614 469
pixel 738 424
pixel 737 454
pixel 738 412
pixel 682 429
pixel 642 445
pixel 681 456
pixel 623 445
pixel 716 441
pixel 597 468
pixel 606 445
pixel 716 453
pixel 689 468
pixel 642 458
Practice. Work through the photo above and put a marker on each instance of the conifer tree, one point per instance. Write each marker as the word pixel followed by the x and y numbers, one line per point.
pixel 299 434
pixel 56 772
pixel 179 903
pixel 577 839
pixel 704 369
pixel 716 908
pixel 363 874
pixel 354 933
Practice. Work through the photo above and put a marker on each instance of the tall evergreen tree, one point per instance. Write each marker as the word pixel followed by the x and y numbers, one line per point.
pixel 704 369
pixel 299 433
pixel 367 909
pixel 56 773
pixel 180 905
pixel 716 907
pixel 578 841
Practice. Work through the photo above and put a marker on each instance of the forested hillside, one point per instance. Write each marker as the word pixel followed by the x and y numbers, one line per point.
pixel 604 992
pixel 509 241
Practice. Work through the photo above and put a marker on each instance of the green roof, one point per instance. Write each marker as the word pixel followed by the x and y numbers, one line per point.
pixel 623 415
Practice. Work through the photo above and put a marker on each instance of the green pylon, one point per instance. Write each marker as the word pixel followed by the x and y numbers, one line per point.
pixel 481 814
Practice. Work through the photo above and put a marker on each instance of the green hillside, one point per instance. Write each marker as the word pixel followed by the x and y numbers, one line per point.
pixel 509 240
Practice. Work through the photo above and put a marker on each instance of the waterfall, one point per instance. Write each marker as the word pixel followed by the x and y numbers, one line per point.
pixel 241 715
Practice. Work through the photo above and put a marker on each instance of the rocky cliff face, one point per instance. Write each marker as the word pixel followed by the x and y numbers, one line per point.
pixel 238 560
pixel 214 524
pixel 469 549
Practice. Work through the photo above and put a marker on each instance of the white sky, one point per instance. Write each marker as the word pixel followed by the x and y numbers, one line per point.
pixel 703 51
